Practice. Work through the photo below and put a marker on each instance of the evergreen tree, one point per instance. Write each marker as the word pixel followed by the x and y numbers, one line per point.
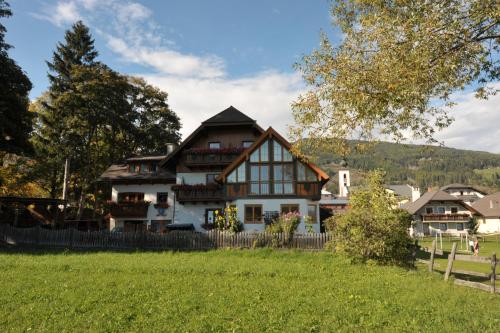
pixel 16 121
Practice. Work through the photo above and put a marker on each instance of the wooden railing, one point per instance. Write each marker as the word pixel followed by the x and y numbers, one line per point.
pixel 174 240
pixel 446 217
pixel 198 193
pixel 198 159
pixel 310 190
pixel 129 209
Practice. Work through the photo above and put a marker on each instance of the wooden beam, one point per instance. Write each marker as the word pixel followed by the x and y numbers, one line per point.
pixel 433 252
pixel 451 257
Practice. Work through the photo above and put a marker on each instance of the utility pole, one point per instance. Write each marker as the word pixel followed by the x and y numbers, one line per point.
pixel 65 183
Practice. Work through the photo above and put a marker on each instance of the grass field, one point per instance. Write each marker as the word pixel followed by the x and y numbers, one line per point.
pixel 240 291
pixel 487 246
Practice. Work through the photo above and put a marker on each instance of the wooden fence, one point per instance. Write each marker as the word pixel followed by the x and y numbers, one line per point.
pixel 493 277
pixel 174 240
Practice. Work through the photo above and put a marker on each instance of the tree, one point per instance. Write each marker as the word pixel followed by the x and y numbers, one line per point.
pixel 16 121
pixel 95 116
pixel 373 228
pixel 395 69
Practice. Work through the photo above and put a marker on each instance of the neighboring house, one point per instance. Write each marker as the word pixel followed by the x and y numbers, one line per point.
pixel 439 211
pixel 489 208
pixel 466 193
pixel 404 193
pixel 229 160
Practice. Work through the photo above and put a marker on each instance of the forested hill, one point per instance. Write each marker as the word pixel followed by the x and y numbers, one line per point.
pixel 424 166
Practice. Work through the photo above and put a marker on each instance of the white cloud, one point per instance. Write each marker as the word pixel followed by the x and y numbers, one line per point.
pixel 265 97
pixel 476 125
pixel 62 13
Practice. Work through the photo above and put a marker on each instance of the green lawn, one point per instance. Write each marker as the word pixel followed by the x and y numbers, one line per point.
pixel 240 291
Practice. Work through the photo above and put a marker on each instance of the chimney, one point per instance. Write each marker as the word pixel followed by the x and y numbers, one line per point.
pixel 415 193
pixel 491 204
pixel 170 148
pixel 344 183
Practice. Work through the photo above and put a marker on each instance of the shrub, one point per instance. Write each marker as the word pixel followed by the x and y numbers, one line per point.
pixel 228 220
pixel 285 223
pixel 373 228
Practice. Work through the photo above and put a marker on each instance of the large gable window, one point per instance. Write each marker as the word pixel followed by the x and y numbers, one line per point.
pixel 304 173
pixel 238 175
pixel 280 153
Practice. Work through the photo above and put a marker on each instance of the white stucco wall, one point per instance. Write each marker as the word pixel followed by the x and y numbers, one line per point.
pixel 488 224
pixel 150 192
pixel 275 205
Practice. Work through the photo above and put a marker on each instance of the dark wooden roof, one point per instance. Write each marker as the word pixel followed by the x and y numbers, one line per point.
pixel 230 115
pixel 119 174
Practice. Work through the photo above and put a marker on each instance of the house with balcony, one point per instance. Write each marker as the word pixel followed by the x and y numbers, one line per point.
pixel 229 160
pixel 440 212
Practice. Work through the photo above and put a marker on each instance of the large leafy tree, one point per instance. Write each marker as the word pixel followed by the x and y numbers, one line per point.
pixel 395 69
pixel 16 121
pixel 95 116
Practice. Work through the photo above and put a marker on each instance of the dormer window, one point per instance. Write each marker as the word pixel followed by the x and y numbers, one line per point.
pixel 214 145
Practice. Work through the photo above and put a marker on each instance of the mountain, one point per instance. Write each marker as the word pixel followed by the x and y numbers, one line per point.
pixel 421 165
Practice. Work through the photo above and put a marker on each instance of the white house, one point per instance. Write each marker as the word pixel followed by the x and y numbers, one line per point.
pixel 229 160
pixel 489 208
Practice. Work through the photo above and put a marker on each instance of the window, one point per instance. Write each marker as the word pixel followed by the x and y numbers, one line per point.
pixel 211 178
pixel 441 210
pixel 214 145
pixel 311 213
pixel 304 173
pixel 130 197
pixel 210 215
pixel 153 167
pixel 246 144
pixel 443 226
pixel 280 153
pixel 144 168
pixel 454 210
pixel 261 154
pixel 137 168
pixel 238 175
pixel 253 214
pixel 259 179
pixel 428 210
pixel 460 226
pixel 289 208
pixel 283 178
pixel 162 197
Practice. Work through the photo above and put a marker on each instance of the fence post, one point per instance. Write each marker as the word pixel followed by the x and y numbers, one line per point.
pixel 493 272
pixel 451 257
pixel 414 253
pixel 433 252
pixel 38 234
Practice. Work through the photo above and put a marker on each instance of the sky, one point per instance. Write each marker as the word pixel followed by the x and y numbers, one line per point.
pixel 208 55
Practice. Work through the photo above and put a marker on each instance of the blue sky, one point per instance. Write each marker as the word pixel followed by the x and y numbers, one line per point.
pixel 210 54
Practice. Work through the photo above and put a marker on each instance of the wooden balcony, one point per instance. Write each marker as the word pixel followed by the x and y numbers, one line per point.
pixel 198 193
pixel 310 190
pixel 129 209
pixel 445 217
pixel 210 157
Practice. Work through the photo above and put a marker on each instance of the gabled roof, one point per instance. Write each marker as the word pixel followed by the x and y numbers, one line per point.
pixel 228 117
pixel 489 205
pixel 401 190
pixel 269 133
pixel 413 207
pixel 458 186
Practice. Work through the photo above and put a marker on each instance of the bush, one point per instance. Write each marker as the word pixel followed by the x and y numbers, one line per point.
pixel 373 228
pixel 228 220
pixel 285 223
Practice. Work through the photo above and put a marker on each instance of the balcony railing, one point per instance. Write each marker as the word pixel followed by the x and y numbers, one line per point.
pixel 198 193
pixel 311 190
pixel 129 209
pixel 445 217
pixel 205 156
